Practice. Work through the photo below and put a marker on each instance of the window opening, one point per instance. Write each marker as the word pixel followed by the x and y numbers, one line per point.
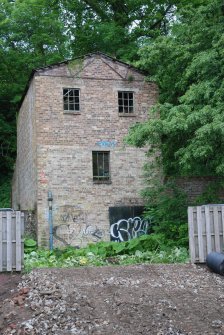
pixel 101 171
pixel 125 102
pixel 71 99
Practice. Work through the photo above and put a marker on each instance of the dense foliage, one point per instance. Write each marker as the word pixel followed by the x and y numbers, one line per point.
pixel 116 27
pixel 188 124
pixel 166 206
pixel 188 65
pixel 146 249
pixel 31 35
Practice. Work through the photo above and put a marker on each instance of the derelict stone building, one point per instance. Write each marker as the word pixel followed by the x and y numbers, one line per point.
pixel 72 121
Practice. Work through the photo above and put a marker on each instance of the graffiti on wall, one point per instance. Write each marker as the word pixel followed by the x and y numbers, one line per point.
pixel 72 228
pixel 107 144
pixel 125 230
pixel 69 214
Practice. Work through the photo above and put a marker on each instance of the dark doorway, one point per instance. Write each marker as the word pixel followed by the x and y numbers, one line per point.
pixel 127 222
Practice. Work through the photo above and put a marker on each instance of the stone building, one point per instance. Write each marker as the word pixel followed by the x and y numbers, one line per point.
pixel 71 125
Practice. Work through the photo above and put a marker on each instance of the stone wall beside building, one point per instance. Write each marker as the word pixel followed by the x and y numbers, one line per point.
pixel 195 187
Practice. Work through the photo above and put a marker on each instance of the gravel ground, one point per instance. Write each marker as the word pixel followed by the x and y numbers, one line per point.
pixel 119 300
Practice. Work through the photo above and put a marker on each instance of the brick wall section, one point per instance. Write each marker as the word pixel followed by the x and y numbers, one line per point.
pixel 24 182
pixel 195 186
pixel 55 148
pixel 66 141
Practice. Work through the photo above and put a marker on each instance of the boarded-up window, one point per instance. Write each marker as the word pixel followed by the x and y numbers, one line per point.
pixel 101 166
pixel 71 99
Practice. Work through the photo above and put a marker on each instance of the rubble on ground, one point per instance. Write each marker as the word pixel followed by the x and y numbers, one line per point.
pixel 124 300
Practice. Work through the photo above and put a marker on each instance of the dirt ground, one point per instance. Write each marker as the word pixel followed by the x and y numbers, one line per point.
pixel 8 284
pixel 117 300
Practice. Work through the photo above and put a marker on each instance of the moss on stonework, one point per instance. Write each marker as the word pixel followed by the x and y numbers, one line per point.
pixel 75 65
pixel 131 78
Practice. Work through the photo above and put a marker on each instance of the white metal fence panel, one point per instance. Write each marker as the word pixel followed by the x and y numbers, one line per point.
pixel 11 240
pixel 206 231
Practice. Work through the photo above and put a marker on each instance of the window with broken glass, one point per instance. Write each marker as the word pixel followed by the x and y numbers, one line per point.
pixel 125 102
pixel 71 99
pixel 101 168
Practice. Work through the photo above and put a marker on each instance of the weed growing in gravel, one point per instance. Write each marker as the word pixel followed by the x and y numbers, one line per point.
pixel 145 249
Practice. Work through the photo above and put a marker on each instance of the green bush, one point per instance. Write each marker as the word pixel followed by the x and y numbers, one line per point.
pixel 5 193
pixel 145 249
pixel 29 245
pixel 167 210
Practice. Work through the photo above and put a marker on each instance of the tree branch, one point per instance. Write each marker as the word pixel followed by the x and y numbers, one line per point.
pixel 95 6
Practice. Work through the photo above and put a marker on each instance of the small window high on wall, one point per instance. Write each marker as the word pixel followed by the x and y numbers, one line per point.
pixel 101 166
pixel 71 99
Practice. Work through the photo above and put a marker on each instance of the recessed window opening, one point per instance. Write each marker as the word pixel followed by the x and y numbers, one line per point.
pixel 101 168
pixel 125 102
pixel 71 99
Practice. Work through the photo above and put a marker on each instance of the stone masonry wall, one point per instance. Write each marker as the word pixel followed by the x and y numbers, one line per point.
pixel 66 141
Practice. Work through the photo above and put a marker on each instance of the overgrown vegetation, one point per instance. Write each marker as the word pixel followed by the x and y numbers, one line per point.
pixel 185 130
pixel 29 245
pixel 145 249
pixel 167 210
pixel 212 194
pixel 188 66
pixel 5 193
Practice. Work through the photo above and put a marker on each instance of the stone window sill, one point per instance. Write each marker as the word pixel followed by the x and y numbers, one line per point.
pixel 127 115
pixel 102 182
pixel 72 113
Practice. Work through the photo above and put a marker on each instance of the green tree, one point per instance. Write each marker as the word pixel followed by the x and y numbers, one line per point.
pixel 31 35
pixel 188 65
pixel 188 125
pixel 116 27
